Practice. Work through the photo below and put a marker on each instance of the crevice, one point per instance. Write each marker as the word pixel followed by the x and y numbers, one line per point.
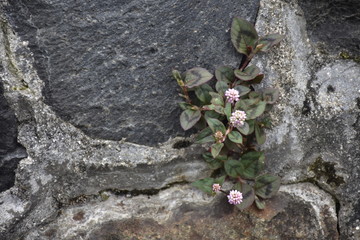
pixel 333 196
pixel 101 195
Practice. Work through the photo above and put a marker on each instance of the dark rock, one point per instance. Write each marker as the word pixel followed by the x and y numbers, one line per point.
pixel 10 150
pixel 334 23
pixel 107 64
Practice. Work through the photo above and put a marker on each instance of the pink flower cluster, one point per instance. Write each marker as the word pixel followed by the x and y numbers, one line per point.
pixel 235 197
pixel 216 187
pixel 238 118
pixel 232 95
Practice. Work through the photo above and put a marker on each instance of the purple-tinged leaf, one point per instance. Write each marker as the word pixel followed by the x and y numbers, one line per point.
pixel 243 35
pixel 248 74
pixel 269 41
pixel 267 185
pixel 197 76
pixel 225 74
pixel 189 118
pixel 247 193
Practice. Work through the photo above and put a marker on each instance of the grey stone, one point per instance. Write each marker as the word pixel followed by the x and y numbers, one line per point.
pixel 334 23
pixel 107 65
pixel 184 213
pixel 10 150
pixel 74 186
pixel 316 129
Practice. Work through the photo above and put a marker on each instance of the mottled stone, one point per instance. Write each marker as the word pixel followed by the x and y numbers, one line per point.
pixel 315 130
pixel 182 213
pixel 107 64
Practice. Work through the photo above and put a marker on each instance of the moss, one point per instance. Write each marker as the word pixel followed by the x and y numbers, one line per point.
pixel 346 55
pixel 325 170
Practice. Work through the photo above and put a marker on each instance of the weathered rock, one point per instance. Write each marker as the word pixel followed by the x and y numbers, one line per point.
pixel 316 129
pixel 72 185
pixel 334 25
pixel 64 165
pixel 107 65
pixel 182 213
pixel 10 150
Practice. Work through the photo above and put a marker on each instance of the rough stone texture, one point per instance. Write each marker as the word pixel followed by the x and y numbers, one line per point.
pixel 182 213
pixel 107 65
pixel 335 24
pixel 316 129
pixel 74 186
pixel 10 151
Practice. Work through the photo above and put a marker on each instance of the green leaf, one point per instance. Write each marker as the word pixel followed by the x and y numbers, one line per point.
pixel 212 114
pixel 216 125
pixel 267 185
pixel 189 118
pixel 220 180
pixel 256 80
pixel 197 76
pixel 254 95
pixel 251 126
pixel 205 136
pixel 221 87
pixel 216 148
pixel 255 110
pixel 247 193
pixel 184 105
pixel 270 95
pixel 235 137
pixel 245 104
pixel 260 134
pixel 260 204
pixel 227 110
pixel 248 74
pixel 202 93
pixel 233 168
pixel 204 185
pixel 232 146
pixel 177 76
pixel 243 35
pixel 217 99
pixel 252 163
pixel 214 163
pixel 244 129
pixel 219 109
pixel 268 41
pixel 242 90
pixel 225 74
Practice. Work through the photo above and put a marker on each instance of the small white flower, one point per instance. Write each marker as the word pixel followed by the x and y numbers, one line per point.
pixel 232 95
pixel 238 118
pixel 235 197
pixel 216 187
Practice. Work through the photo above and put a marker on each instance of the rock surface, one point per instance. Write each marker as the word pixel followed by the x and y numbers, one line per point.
pixel 182 213
pixel 75 184
pixel 107 66
pixel 334 25
pixel 10 150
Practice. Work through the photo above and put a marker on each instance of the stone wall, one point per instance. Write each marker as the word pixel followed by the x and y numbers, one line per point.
pixel 89 119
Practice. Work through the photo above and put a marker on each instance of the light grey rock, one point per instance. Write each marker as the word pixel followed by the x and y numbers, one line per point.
pixel 182 213
pixel 316 128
